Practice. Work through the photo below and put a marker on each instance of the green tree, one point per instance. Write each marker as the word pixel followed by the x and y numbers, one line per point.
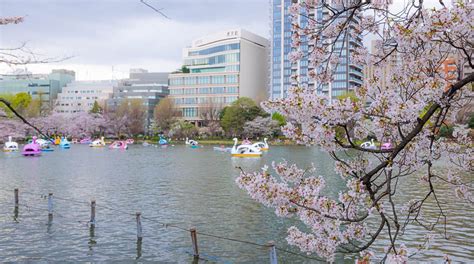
pixel 96 108
pixel 279 118
pixel 184 69
pixel 19 102
pixel 471 121
pixel 240 111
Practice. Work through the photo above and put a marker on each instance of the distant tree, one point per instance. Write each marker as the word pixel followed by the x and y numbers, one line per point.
pixel 279 118
pixel 34 108
pixel 471 121
pixel 210 116
pixel 261 126
pixel 239 112
pixel 181 129
pixel 184 69
pixel 136 117
pixel 96 108
pixel 165 114
pixel 19 102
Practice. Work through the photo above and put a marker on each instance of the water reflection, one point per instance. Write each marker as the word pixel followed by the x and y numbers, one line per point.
pixel 176 185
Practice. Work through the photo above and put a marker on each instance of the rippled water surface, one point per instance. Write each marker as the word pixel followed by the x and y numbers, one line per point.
pixel 177 185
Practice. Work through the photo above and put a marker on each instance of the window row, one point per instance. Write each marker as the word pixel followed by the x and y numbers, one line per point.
pixel 220 79
pixel 205 90
pixel 219 59
pixel 205 100
pixel 234 46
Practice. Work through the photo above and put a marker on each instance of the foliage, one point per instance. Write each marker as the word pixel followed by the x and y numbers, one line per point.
pixel 279 118
pixel 406 107
pixel 471 121
pixel 96 108
pixel 19 101
pixel 182 129
pixel 240 111
pixel 165 114
pixel 261 126
pixel 184 69
pixel 446 131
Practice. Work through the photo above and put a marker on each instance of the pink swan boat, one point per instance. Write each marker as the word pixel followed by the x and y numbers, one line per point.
pixel 31 149
pixel 118 145
pixel 130 141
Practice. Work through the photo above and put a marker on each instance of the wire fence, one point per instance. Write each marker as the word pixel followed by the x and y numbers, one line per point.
pixel 270 246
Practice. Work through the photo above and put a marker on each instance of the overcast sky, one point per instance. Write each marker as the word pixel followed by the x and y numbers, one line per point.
pixel 123 34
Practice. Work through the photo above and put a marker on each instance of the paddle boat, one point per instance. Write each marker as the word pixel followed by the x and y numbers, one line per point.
pixel 87 140
pixel 130 141
pixel 10 145
pixel 31 149
pixel 386 145
pixel 245 150
pixel 368 144
pixel 98 143
pixel 118 145
pixel 146 144
pixel 57 140
pixel 261 145
pixel 192 143
pixel 162 141
pixel 65 144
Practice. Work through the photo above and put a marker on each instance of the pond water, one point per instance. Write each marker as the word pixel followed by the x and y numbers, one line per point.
pixel 177 185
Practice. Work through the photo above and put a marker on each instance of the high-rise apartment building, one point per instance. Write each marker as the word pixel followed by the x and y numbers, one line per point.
pixel 219 69
pixel 347 75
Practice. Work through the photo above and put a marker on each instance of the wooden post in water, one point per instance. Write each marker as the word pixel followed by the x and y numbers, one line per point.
pixel 273 254
pixel 92 221
pixel 139 226
pixel 50 206
pixel 195 243
pixel 17 200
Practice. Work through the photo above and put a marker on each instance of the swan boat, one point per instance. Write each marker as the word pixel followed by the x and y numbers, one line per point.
pixel 368 144
pixel 10 145
pixel 118 145
pixel 244 151
pixel 98 143
pixel 31 149
pixel 262 145
pixel 65 144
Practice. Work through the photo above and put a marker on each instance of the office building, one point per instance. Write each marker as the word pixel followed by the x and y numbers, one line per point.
pixel 79 96
pixel 220 68
pixel 44 87
pixel 149 87
pixel 347 76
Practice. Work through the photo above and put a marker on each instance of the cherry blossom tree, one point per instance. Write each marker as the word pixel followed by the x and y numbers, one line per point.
pixel 408 108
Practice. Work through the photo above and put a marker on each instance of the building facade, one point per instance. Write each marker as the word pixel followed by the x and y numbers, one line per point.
pixel 79 96
pixel 44 87
pixel 149 87
pixel 347 76
pixel 222 67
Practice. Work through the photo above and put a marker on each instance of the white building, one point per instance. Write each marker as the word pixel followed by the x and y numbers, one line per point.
pixel 79 96
pixel 222 67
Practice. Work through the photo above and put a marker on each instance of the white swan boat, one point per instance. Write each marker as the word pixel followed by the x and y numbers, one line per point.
pixel 191 142
pixel 98 143
pixel 261 145
pixel 10 145
pixel 368 144
pixel 244 151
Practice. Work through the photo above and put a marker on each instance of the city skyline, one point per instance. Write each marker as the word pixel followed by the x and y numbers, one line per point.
pixel 141 37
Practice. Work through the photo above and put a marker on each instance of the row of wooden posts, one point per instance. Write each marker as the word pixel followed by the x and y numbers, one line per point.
pixel 92 222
